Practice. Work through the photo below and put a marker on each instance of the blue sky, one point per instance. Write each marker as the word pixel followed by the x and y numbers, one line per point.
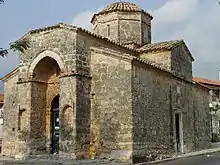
pixel 196 21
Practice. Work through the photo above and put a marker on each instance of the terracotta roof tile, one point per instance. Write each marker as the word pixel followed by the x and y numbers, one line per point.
pixel 123 6
pixel 71 27
pixel 162 46
pixel 1 98
pixel 165 45
pixel 206 81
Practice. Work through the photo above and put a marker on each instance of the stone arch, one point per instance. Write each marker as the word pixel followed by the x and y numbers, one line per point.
pixel 22 116
pixel 67 118
pixel 45 71
pixel 67 114
pixel 47 53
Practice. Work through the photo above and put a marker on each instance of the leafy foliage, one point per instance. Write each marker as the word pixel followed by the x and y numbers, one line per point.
pixel 3 52
pixel 20 45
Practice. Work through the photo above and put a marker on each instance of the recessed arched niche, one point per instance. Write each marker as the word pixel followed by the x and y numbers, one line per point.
pixel 67 115
pixel 22 116
pixel 67 121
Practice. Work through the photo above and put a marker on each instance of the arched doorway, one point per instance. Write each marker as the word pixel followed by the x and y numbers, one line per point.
pixel 55 126
pixel 44 103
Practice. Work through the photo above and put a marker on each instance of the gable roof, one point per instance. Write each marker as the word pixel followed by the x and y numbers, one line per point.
pixel 163 46
pixel 75 28
pixel 206 81
pixel 167 45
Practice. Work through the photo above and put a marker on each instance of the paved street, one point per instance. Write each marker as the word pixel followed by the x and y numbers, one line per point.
pixel 57 162
pixel 208 159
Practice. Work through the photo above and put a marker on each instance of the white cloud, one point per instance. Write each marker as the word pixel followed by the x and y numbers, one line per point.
pixel 176 11
pixel 197 22
pixel 83 19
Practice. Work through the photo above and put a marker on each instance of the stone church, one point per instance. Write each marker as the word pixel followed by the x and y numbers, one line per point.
pixel 110 93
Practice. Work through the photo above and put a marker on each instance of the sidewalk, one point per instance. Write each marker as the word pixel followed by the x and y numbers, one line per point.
pixel 44 161
pixel 214 148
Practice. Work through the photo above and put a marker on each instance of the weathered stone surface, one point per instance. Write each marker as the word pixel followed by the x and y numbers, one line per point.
pixel 111 102
pixel 157 97
pixel 177 60
pixel 10 116
pixel 111 106
pixel 119 27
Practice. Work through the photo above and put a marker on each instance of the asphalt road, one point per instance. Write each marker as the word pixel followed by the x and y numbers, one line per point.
pixel 208 159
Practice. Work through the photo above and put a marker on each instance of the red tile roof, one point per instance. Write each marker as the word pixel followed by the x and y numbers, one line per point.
pixel 206 81
pixel 164 45
pixel 121 7
pixel 1 98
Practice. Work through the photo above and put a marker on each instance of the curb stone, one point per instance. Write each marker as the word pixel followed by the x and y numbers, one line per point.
pixel 202 152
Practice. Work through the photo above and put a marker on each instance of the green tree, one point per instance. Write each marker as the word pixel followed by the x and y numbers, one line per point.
pixel 20 45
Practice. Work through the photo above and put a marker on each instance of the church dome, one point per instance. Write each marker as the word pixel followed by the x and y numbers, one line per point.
pixel 122 7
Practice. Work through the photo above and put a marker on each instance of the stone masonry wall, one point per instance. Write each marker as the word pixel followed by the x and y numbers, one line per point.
pixel 127 24
pixel 162 59
pixel 111 127
pixel 23 134
pixel 10 116
pixel 67 143
pixel 181 62
pixel 73 63
pixel 157 97
pixel 105 101
pixel 101 26
pixel 152 113
pixel 62 43
pixel 202 118
pixel 87 63
pixel 119 27
pixel 83 120
pixel 38 118
pixel 178 60
pixel 59 41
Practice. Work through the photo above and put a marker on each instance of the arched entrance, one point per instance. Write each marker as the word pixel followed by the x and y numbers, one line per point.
pixel 44 106
pixel 55 126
